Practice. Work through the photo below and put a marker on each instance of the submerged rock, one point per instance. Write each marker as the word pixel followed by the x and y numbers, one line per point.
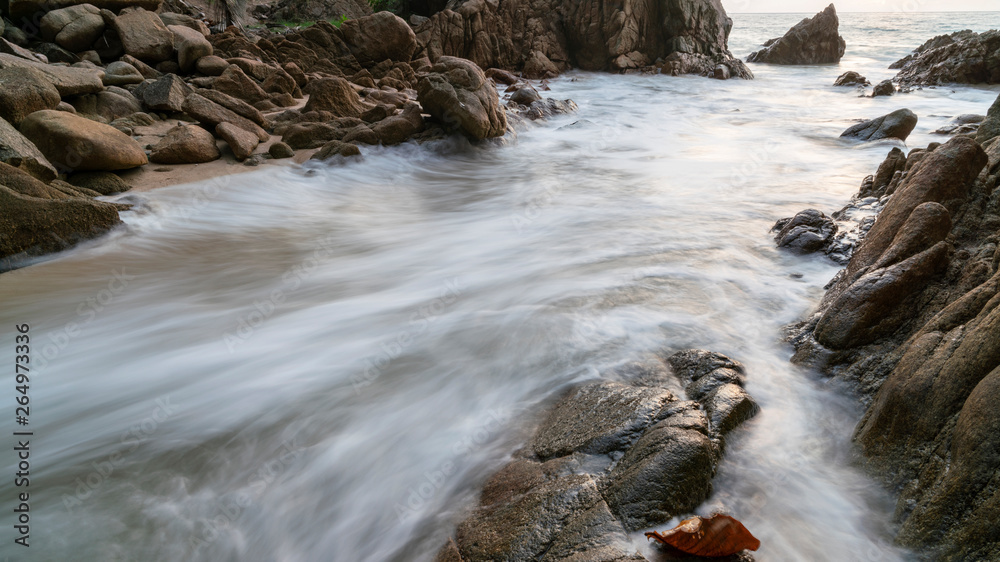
pixel 807 232
pixel 609 458
pixel 896 125
pixel 813 40
pixel 851 78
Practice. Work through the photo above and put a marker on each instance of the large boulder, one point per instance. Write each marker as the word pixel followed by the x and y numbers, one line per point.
pixel 211 114
pixel 963 57
pixel 77 143
pixel 896 125
pixel 236 83
pixel 190 45
pixel 18 151
pixel 120 73
pixel 185 144
pixel 33 226
pixel 614 35
pixel 75 28
pixel 457 94
pixel 334 95
pixel 68 81
pixel 378 37
pixel 164 94
pixel 144 36
pixel 241 141
pixel 24 91
pixel 813 40
pixel 18 9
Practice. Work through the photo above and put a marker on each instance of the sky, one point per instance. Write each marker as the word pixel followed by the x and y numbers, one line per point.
pixel 812 6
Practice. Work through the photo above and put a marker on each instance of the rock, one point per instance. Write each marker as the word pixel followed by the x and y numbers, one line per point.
pixel 105 183
pixel 186 144
pixel 33 226
pixel 884 88
pixel 851 78
pixel 235 83
pixel 191 45
pixel 894 162
pixel 148 72
pixel 964 57
pixel 144 36
pixel 394 133
pixel 19 152
pixel 814 40
pixel 280 82
pixel 316 10
pixel 120 73
pixel 241 141
pixel 457 94
pixel 238 107
pixel 398 128
pixel 335 148
pixel 525 95
pixel 75 28
pixel 378 37
pixel 211 65
pixel 807 232
pixel 183 20
pixel 501 76
pixel 296 73
pixel 168 67
pixel 211 114
pixel 18 9
pixel 989 129
pixel 537 65
pixel 77 143
pixel 280 150
pixel 109 46
pixel 896 125
pixel 164 94
pixel 9 48
pixel 24 91
pixel 68 81
pixel 334 95
pixel 111 104
pixel 22 182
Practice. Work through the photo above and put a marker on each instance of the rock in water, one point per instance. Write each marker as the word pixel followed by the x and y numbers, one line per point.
pixel 77 143
pixel 851 78
pixel 963 57
pixel 896 125
pixel 457 93
pixel 807 232
pixel 33 226
pixel 814 40
pixel 884 88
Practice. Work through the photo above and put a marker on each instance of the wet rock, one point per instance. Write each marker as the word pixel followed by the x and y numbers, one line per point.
pixel 19 152
pixel 241 141
pixel 896 125
pixel 120 73
pixel 814 40
pixel 24 183
pixel 393 132
pixel 807 232
pixel 185 144
pixel 75 28
pixel 963 57
pixel 457 94
pixel 398 128
pixel 77 143
pixel 105 183
pixel 501 76
pixel 525 95
pixel 336 148
pixel 380 36
pixel 851 78
pixel 191 45
pixel 989 129
pixel 894 162
pixel 144 36
pixel 884 88
pixel 334 95
pixel 33 226
pixel 280 150
pixel 24 91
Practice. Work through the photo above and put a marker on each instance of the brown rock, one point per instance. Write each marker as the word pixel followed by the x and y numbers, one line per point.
pixel 458 95
pixel 19 152
pixel 77 143
pixel 334 95
pixel 105 183
pixel 211 65
pixel 814 40
pixel 24 91
pixel 378 37
pixel 235 83
pixel 239 140
pixel 191 45
pixel 69 81
pixel 186 144
pixel 212 114
pixel 143 35
pixel 335 148
pixel 75 28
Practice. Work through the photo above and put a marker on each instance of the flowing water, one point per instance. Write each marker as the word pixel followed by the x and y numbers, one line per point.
pixel 324 363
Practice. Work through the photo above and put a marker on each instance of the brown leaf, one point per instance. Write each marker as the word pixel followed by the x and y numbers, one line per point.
pixel 719 535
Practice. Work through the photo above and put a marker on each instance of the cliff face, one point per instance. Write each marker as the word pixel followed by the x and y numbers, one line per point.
pixel 914 321
pixel 550 36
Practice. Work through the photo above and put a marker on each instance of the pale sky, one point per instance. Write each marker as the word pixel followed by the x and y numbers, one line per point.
pixel 813 6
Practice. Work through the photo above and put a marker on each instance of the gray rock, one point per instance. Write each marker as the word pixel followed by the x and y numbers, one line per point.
pixel 814 40
pixel 896 125
pixel 963 57
pixel 67 80
pixel 191 45
pixel 164 94
pixel 18 151
pixel 851 78
pixel 884 88
pixel 807 232
pixel 120 73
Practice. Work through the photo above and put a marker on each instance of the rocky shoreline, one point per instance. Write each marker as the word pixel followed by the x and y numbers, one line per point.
pixel 912 323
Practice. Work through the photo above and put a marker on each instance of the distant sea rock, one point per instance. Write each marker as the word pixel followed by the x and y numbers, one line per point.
pixel 813 40
pixel 963 57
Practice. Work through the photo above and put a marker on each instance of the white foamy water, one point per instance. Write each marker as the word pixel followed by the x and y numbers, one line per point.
pixel 325 363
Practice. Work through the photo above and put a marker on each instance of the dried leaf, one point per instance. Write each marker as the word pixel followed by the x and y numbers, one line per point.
pixel 719 535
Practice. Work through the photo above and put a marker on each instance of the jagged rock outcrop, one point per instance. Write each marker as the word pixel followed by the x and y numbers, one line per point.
pixel 542 37
pixel 913 321
pixel 851 78
pixel 457 94
pixel 963 57
pixel 609 458
pixel 814 40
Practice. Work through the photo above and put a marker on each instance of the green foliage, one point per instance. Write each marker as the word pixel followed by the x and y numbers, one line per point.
pixel 337 22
